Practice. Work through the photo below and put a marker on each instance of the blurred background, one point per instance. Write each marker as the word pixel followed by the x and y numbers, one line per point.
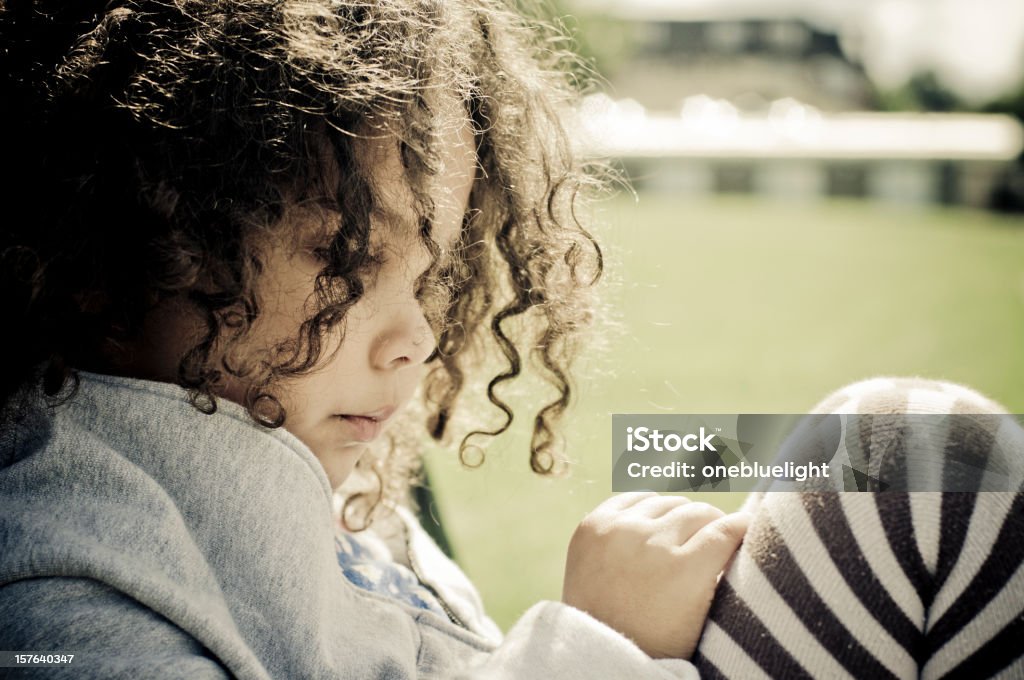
pixel 825 191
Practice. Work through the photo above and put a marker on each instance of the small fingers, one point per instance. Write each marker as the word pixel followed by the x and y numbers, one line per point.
pixel 686 520
pixel 655 507
pixel 716 542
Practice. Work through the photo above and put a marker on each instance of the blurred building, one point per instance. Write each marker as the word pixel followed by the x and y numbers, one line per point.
pixel 795 151
pixel 747 53
pixel 741 96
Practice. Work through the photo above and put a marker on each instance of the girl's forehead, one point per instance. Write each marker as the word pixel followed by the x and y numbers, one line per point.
pixel 395 218
pixel 452 185
pixel 449 188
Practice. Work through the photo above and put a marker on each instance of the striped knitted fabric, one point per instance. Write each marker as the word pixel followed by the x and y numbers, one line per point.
pixel 876 585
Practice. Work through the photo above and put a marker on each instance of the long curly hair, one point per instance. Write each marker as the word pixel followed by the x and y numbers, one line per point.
pixel 153 141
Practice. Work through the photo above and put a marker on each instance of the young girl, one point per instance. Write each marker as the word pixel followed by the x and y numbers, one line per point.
pixel 240 236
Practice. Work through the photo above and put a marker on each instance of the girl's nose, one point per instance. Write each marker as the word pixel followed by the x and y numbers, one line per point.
pixel 408 340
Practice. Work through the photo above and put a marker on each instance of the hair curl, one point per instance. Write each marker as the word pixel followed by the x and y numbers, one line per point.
pixel 154 141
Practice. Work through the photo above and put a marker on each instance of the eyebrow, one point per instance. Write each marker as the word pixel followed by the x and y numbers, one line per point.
pixel 397 218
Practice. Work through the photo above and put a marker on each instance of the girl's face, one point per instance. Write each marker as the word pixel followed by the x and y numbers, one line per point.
pixel 351 396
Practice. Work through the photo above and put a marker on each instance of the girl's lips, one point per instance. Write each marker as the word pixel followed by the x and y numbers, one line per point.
pixel 366 427
pixel 363 428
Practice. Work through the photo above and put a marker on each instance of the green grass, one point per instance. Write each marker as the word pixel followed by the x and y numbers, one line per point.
pixel 738 305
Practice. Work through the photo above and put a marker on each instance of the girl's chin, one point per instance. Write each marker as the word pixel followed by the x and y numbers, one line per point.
pixel 339 464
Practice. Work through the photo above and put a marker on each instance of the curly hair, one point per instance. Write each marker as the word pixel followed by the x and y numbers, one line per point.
pixel 154 141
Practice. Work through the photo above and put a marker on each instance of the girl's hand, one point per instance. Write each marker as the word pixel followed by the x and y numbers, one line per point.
pixel 647 565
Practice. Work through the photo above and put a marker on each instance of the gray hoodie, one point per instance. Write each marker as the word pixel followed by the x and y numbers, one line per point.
pixel 154 541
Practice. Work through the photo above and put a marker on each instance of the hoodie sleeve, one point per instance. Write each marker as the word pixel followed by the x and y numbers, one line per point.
pixel 111 635
pixel 551 640
pixel 555 640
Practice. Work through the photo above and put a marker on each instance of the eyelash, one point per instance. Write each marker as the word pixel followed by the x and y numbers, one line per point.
pixel 320 254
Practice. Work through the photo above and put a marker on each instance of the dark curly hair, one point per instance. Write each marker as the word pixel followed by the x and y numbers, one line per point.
pixel 151 141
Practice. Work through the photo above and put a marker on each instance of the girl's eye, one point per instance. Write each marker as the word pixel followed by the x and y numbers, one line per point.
pixel 321 254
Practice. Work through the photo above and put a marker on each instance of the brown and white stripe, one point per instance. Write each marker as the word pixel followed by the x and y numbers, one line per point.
pixel 877 585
